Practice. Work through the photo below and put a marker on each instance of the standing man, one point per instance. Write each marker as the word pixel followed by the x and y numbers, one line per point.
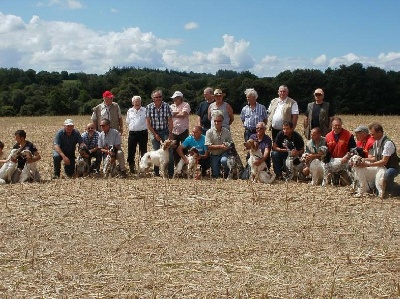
pixel 138 134
pixel 64 149
pixel 364 140
pixel 159 123
pixel 280 152
pixel 180 118
pixel 216 139
pixel 384 155
pixel 23 144
pixel 108 110
pixel 222 107
pixel 111 137
pixel 318 114
pixel 91 140
pixel 252 113
pixel 282 109
pixel 202 111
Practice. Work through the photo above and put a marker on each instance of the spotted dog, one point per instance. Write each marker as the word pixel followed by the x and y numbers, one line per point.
pixel 110 162
pixel 293 165
pixel 82 164
pixel 188 169
pixel 158 158
pixel 234 162
pixel 255 155
pixel 30 170
pixel 333 166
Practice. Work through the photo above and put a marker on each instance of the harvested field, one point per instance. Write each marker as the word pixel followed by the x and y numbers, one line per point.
pixel 156 238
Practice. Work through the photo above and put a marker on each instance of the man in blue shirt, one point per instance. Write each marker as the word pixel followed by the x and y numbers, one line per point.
pixel 196 140
pixel 64 149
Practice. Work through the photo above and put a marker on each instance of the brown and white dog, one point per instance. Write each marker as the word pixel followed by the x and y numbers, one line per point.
pixel 188 169
pixel 110 163
pixel 82 167
pixel 368 178
pixel 29 172
pixel 9 167
pixel 255 154
pixel 158 158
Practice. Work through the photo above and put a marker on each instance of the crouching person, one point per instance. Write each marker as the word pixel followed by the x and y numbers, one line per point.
pixel 26 163
pixel 111 137
pixel 64 149
pixel 196 140
pixel 91 140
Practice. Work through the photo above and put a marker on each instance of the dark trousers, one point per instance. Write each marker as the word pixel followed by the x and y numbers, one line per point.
pixel 69 169
pixel 96 165
pixel 135 138
pixel 274 132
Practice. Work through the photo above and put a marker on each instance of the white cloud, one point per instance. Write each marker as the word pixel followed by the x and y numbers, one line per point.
pixel 69 4
pixel 191 26
pixel 59 46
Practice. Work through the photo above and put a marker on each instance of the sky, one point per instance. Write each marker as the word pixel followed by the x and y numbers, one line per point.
pixel 265 37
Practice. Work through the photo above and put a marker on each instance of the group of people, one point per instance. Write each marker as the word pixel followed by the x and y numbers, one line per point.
pixel 211 135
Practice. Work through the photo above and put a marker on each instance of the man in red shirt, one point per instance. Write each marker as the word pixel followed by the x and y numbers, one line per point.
pixel 364 140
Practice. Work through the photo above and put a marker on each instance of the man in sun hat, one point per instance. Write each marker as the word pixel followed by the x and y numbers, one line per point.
pixel 64 148
pixel 223 107
pixel 180 118
pixel 108 110
pixel 364 139
pixel 318 114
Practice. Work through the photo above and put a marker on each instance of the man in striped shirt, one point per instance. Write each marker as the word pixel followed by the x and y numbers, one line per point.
pixel 91 139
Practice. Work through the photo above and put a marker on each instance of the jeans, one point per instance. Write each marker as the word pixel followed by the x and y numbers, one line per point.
pixel 69 169
pixel 216 162
pixel 156 145
pixel 178 140
pixel 277 161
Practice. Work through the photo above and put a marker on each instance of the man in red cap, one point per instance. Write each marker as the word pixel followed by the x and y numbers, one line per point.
pixel 108 110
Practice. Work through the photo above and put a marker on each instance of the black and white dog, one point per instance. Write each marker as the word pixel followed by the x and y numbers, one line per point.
pixel 234 162
pixel 110 162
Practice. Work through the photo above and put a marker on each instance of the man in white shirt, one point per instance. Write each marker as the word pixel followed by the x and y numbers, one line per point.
pixel 138 134
pixel 282 109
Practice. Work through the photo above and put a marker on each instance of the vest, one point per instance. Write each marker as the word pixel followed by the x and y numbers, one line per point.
pixel 341 147
pixel 323 119
pixel 286 110
pixel 393 160
pixel 114 119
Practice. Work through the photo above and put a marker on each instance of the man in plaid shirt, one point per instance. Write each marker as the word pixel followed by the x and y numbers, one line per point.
pixel 90 139
pixel 160 125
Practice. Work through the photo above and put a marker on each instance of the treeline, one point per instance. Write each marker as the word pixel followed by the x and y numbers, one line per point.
pixel 351 89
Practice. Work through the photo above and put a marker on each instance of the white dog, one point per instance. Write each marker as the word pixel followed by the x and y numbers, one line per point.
pixel 266 177
pixel 368 178
pixel 9 167
pixel 317 168
pixel 30 170
pixel 158 158
pixel 255 155
pixel 189 169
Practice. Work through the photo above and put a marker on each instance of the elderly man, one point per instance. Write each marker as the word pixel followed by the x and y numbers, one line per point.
pixel 64 149
pixel 138 134
pixel 221 107
pixel 264 144
pixel 318 114
pixel 216 139
pixel 384 155
pixel 252 113
pixel 198 141
pixel 364 140
pixel 202 110
pixel 280 152
pixel 111 137
pixel 180 118
pixel 282 109
pixel 108 110
pixel 91 139
pixel 313 147
pixel 160 125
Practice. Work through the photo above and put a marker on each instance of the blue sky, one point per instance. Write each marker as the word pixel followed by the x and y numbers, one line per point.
pixel 264 37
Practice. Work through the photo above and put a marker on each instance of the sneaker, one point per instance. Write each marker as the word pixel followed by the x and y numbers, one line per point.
pixel 123 174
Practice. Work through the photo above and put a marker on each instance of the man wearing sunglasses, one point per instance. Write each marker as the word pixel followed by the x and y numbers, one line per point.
pixel 318 114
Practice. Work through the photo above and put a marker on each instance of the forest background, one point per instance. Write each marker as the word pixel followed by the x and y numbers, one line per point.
pixel 350 89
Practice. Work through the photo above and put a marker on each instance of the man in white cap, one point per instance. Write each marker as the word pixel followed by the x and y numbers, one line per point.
pixel 180 119
pixel 64 148
pixel 318 114
pixel 364 140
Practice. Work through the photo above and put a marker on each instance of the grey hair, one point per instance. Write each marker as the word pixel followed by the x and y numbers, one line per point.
pixel 262 125
pixel 218 113
pixel 136 98
pixel 209 90
pixel 251 92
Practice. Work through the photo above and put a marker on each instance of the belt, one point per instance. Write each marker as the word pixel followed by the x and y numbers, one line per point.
pixel 251 130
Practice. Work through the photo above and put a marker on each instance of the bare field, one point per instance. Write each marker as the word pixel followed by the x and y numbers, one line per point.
pixel 156 238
